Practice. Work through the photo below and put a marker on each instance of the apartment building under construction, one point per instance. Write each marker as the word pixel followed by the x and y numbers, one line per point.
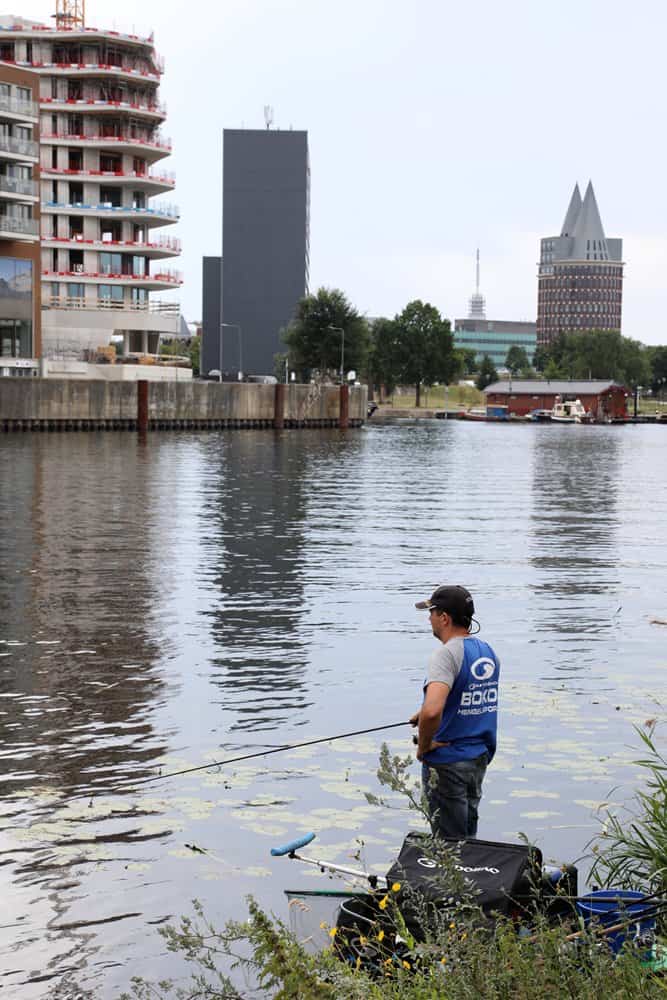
pixel 101 149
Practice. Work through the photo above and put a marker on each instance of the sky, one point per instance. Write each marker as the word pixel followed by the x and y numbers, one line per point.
pixel 434 128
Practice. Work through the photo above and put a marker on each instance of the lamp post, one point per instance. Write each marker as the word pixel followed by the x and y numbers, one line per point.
pixel 341 331
pixel 236 326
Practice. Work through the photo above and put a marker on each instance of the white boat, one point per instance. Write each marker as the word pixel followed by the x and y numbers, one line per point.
pixel 570 411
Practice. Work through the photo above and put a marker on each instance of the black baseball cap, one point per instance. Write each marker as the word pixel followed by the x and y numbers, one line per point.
pixel 455 600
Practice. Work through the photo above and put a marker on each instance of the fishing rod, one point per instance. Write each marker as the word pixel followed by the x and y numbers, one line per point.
pixel 265 753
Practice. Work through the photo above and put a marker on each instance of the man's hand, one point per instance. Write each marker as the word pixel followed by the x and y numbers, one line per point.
pixel 414 719
pixel 434 746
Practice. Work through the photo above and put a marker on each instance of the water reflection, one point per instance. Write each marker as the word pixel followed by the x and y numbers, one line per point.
pixel 77 678
pixel 160 600
pixel 253 521
pixel 574 531
pixel 78 686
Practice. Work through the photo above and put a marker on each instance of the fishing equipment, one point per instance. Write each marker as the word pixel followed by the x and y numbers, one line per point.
pixel 266 753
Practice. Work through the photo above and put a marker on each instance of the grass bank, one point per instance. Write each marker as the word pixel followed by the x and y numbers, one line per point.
pixel 458 397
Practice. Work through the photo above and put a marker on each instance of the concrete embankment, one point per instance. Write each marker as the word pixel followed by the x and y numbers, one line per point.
pixel 385 412
pixel 65 404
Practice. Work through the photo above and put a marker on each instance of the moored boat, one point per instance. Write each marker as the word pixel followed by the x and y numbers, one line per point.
pixel 569 411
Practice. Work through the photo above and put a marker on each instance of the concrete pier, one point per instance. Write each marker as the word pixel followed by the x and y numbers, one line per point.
pixel 68 404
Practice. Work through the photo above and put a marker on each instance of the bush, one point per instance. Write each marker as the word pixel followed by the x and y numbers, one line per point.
pixel 631 851
pixel 463 956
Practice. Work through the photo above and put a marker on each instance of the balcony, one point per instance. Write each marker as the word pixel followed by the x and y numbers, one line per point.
pixel 155 145
pixel 162 279
pixel 147 306
pixel 90 103
pixel 161 247
pixel 156 215
pixel 25 148
pixel 94 69
pixel 34 30
pixel 17 226
pixel 18 187
pixel 17 108
pixel 164 181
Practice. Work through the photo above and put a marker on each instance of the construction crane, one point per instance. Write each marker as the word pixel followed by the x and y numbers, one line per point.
pixel 70 14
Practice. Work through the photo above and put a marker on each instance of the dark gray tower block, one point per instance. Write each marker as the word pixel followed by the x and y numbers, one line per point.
pixel 265 234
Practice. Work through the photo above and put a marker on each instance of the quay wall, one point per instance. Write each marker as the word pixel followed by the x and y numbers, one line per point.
pixel 87 404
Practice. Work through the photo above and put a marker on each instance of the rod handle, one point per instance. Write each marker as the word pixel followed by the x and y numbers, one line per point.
pixel 293 845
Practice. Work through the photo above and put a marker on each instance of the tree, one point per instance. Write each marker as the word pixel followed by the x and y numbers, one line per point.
pixel 385 364
pixel 551 370
pixel 541 357
pixel 487 373
pixel 657 357
pixel 601 354
pixel 326 330
pixel 516 359
pixel 468 359
pixel 425 347
pixel 195 355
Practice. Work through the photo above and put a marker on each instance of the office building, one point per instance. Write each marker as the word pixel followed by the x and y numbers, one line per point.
pixel 265 244
pixel 494 337
pixel 580 283
pixel 20 319
pixel 212 332
pixel 100 118
pixel 491 337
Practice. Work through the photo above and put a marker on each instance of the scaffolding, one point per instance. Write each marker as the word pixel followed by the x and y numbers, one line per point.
pixel 70 14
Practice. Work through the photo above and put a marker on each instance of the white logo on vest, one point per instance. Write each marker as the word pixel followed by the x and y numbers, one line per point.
pixel 483 669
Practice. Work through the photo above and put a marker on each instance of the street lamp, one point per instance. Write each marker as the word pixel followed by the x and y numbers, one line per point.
pixel 237 326
pixel 341 331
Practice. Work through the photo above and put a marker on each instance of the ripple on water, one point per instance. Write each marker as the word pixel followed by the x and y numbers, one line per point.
pixel 174 605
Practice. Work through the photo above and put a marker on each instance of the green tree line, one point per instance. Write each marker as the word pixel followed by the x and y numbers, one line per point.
pixel 329 337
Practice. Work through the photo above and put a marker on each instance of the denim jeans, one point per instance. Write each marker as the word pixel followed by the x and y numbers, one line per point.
pixel 453 799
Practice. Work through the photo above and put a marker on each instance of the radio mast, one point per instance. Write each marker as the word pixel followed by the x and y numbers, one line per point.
pixel 477 306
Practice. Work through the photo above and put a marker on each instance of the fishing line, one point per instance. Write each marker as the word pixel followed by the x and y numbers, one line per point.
pixel 265 753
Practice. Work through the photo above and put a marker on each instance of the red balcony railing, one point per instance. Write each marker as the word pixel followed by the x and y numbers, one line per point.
pixel 163 178
pixel 166 275
pixel 157 108
pixel 157 142
pixel 162 243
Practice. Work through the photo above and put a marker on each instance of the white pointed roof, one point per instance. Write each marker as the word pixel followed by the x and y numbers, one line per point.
pixel 572 212
pixel 589 241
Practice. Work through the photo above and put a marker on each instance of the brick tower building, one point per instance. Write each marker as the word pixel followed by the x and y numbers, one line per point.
pixel 580 283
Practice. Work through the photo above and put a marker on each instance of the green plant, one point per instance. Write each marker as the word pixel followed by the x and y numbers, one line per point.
pixel 631 850
pixel 462 954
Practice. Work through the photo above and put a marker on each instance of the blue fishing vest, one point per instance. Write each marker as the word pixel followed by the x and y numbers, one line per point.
pixel 469 719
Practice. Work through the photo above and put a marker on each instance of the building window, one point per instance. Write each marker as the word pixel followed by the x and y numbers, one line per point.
pixel 111 293
pixel 111 263
pixel 16 307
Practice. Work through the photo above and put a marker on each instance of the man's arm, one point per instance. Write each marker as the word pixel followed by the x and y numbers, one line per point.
pixel 430 715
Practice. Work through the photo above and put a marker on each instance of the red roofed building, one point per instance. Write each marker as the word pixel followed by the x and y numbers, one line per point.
pixel 602 398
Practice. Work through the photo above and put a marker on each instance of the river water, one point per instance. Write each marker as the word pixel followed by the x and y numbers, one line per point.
pixel 192 597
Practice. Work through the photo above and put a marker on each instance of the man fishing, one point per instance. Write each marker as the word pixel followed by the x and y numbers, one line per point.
pixel 457 720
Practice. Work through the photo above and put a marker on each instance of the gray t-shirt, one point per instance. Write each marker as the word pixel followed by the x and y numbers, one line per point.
pixel 445 663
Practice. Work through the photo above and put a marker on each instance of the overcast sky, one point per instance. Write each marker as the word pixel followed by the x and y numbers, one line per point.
pixel 434 128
